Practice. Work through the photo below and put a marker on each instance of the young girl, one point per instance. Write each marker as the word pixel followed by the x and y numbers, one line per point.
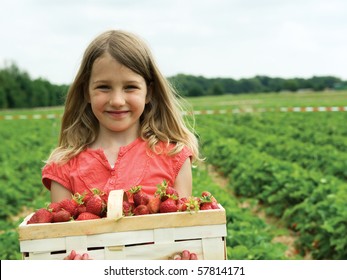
pixel 122 126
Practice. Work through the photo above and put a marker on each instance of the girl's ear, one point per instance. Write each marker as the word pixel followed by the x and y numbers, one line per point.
pixel 149 93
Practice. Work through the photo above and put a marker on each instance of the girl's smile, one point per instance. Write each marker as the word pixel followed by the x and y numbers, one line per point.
pixel 119 114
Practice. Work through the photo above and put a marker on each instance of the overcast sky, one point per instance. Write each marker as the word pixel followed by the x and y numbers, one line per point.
pixel 212 38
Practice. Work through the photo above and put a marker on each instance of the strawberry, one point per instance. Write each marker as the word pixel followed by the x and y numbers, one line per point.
pixel 182 204
pixel 209 206
pixel 139 197
pixel 170 192
pixel 165 191
pixel 61 216
pixel 79 198
pixel 42 215
pixel 154 204
pixel 127 208
pixel 87 216
pixel 169 205
pixel 193 203
pixel 83 198
pixel 54 206
pixel 205 193
pixel 208 195
pixel 96 204
pixel 208 202
pixel 69 205
pixel 81 208
pixel 141 210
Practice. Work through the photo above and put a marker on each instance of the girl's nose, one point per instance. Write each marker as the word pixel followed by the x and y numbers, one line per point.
pixel 117 98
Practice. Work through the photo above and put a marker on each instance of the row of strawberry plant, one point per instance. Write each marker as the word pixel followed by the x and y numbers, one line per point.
pixel 326 159
pixel 285 187
pixel 25 144
pixel 329 123
pixel 306 127
pixel 248 237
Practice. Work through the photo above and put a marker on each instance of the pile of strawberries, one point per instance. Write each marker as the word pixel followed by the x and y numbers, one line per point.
pixel 79 208
pixel 166 200
pixel 94 205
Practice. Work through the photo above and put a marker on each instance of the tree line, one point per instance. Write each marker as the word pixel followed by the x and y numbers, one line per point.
pixel 188 85
pixel 18 90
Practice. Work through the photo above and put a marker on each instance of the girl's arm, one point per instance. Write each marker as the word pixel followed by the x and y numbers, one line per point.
pixel 184 181
pixel 183 186
pixel 58 192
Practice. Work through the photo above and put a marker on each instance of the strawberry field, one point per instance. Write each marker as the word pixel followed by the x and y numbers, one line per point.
pixel 278 174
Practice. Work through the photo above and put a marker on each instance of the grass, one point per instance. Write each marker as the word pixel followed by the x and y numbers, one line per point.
pixel 270 100
pixel 45 110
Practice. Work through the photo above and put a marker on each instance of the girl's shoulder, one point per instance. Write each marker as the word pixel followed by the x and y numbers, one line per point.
pixel 172 151
pixel 83 157
pixel 169 147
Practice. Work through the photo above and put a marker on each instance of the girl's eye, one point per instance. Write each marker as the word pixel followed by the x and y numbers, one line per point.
pixel 131 87
pixel 103 87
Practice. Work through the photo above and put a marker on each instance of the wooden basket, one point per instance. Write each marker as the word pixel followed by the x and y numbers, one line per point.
pixel 146 237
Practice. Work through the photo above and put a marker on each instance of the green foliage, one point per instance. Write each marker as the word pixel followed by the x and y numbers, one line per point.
pixel 216 89
pixel 9 246
pixel 248 237
pixel 189 85
pixel 293 164
pixel 18 90
pixel 25 145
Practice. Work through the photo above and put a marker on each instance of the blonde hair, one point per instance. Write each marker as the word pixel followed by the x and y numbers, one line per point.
pixel 161 120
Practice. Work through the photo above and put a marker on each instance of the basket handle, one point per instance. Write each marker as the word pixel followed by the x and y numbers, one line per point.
pixel 115 204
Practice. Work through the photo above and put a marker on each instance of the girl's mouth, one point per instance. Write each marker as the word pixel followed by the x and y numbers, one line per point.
pixel 117 114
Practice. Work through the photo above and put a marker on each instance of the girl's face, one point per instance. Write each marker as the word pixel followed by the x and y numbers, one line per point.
pixel 117 95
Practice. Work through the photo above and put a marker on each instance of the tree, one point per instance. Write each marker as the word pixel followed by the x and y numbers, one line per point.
pixel 216 89
pixel 18 90
pixel 291 85
pixel 3 100
pixel 195 90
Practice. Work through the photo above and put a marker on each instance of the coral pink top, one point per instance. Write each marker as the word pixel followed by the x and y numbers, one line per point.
pixel 135 165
